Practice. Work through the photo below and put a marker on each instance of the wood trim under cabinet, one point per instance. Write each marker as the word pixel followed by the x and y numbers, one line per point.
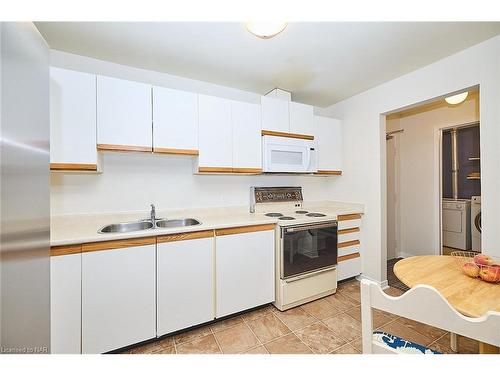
pixel 348 243
pixel 348 217
pixel 185 236
pixel 246 229
pixel 328 172
pixel 248 170
pixel 123 148
pixel 73 167
pixel 65 250
pixel 117 244
pixel 348 230
pixel 347 257
pixel 215 169
pixel 175 151
pixel 287 135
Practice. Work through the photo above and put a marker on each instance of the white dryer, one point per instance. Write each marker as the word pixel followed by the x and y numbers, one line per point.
pixel 476 223
pixel 457 223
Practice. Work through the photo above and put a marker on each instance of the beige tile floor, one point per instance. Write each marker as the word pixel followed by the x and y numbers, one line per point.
pixel 328 325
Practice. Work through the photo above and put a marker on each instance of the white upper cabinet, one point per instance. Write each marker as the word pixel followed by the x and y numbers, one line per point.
pixel 328 136
pixel 175 121
pixel 301 119
pixel 72 120
pixel 247 139
pixel 275 114
pixel 124 115
pixel 215 134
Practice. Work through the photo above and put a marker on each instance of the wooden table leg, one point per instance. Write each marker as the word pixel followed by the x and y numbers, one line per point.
pixel 488 349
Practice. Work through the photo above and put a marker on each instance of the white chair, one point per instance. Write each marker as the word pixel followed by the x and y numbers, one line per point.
pixel 424 304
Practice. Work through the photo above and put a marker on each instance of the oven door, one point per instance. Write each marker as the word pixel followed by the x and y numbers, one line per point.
pixel 308 248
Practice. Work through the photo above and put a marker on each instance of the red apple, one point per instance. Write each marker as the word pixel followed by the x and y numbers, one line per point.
pixel 483 260
pixel 470 269
pixel 490 274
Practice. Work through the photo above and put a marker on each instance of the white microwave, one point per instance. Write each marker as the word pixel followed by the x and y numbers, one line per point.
pixel 288 155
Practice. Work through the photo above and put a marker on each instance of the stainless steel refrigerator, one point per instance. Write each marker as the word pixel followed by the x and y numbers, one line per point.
pixel 24 190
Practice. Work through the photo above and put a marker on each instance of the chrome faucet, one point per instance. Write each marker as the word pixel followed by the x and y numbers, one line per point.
pixel 153 214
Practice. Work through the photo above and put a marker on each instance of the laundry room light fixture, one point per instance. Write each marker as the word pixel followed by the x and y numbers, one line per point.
pixel 265 30
pixel 457 99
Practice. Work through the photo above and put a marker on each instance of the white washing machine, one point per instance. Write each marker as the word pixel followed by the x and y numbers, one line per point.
pixel 475 219
pixel 457 223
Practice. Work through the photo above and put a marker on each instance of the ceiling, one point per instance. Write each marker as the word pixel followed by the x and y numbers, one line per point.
pixel 320 63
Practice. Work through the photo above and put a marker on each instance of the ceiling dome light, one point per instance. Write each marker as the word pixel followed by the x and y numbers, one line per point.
pixel 457 99
pixel 266 30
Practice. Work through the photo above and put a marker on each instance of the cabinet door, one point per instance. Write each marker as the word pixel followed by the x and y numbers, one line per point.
pixel 215 133
pixel 244 270
pixel 247 138
pixel 65 304
pixel 124 114
pixel 175 121
pixel 72 117
pixel 328 136
pixel 118 298
pixel 275 114
pixel 301 119
pixel 185 283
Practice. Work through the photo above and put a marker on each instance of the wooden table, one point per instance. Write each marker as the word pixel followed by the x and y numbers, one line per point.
pixel 471 297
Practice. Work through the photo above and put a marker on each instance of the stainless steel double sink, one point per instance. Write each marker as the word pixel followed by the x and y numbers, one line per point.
pixel 135 226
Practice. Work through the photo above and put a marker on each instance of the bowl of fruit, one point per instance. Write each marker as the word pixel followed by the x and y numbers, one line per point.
pixel 476 265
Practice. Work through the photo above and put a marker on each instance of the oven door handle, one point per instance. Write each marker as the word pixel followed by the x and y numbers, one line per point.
pixel 309 227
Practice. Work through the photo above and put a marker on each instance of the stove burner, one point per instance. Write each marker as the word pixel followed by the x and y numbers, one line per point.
pixel 301 212
pixel 274 214
pixel 286 218
pixel 315 214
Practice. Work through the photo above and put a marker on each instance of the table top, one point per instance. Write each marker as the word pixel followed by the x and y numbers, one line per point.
pixel 471 297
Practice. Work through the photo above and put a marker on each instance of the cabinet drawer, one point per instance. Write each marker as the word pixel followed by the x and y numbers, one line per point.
pixel 347 248
pixel 349 268
pixel 347 224
pixel 349 234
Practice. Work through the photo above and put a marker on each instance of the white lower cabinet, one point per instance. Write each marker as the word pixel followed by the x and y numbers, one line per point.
pixel 185 280
pixel 244 268
pixel 65 304
pixel 118 294
pixel 349 246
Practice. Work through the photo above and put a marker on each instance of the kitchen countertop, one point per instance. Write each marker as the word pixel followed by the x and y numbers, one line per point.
pixel 82 228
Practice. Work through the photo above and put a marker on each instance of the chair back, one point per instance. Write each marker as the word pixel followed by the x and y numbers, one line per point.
pixel 424 304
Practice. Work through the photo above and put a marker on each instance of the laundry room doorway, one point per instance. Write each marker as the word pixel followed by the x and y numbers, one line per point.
pixel 418 197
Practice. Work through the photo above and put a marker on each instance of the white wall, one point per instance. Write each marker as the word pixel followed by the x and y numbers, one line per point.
pixel 133 181
pixel 417 150
pixel 364 127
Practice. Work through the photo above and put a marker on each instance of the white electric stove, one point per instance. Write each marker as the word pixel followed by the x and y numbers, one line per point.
pixel 306 246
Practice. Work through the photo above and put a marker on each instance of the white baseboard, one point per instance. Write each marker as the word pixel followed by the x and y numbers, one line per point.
pixel 405 255
pixel 383 284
